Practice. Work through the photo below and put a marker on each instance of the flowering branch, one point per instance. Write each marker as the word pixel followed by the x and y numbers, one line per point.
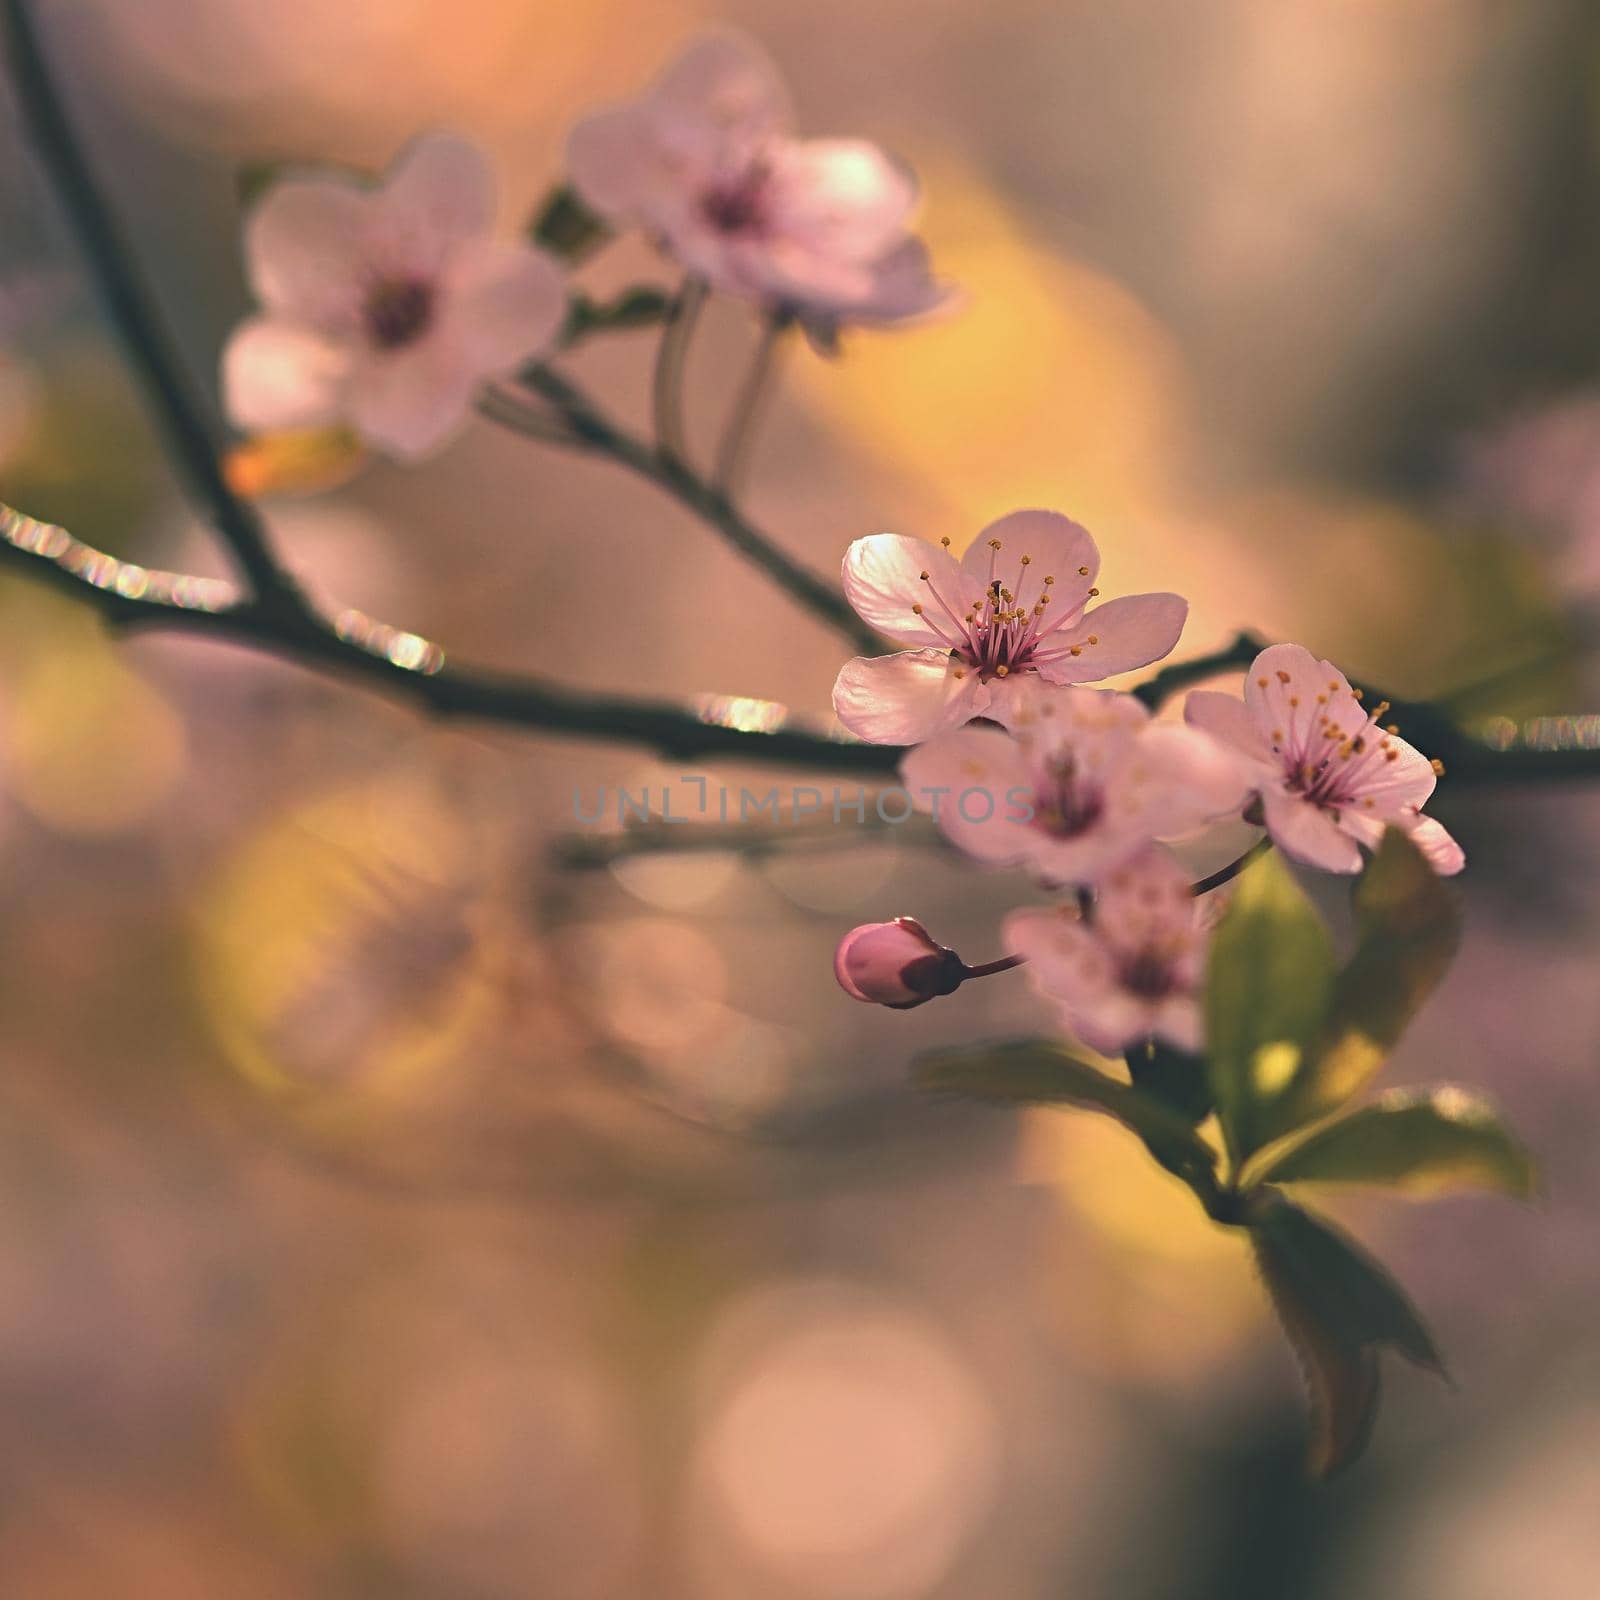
pixel 181 415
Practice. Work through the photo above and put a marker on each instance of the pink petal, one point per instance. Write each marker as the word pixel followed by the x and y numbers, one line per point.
pixel 1394 787
pixel 408 403
pixel 1071 966
pixel 506 304
pixel 306 247
pixel 1306 832
pixel 1146 902
pixel 903 699
pixel 1286 672
pixel 1176 779
pixel 975 782
pixel 727 82
pixel 438 194
pixel 1056 547
pixel 1226 717
pixel 1129 633
pixel 614 162
pixel 883 580
pixel 841 199
pixel 902 289
pixel 283 375
pixel 1441 851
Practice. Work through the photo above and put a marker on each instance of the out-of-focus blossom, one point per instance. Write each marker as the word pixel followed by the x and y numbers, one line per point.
pixel 816 229
pixel 385 308
pixel 1013 607
pixel 1084 781
pixel 897 964
pixel 1131 971
pixel 1328 775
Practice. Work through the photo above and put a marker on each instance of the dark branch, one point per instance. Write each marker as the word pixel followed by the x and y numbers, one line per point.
pixel 181 414
pixel 598 432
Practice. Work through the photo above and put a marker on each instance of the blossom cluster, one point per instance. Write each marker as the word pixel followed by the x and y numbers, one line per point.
pixel 387 306
pixel 1086 789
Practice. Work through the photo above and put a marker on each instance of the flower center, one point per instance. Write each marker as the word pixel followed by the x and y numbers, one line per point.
pixel 398 311
pixel 738 204
pixel 999 634
pixel 1066 803
pixel 1148 974
pixel 1330 765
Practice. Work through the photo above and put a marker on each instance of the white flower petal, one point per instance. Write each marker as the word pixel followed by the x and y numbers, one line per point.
pixel 1128 633
pixel 882 577
pixel 1305 831
pixel 283 375
pixel 410 402
pixel 438 194
pixel 505 303
pixel 1056 547
pixel 1440 850
pixel 306 244
pixel 904 699
pixel 1226 717
pixel 975 782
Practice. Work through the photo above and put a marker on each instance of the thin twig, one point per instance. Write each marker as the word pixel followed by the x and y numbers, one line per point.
pixel 182 416
pixel 748 406
pixel 671 357
pixel 1228 873
pixel 594 428
pixel 413 669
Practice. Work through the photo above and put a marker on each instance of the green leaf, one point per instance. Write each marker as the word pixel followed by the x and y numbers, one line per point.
pixel 1174 1077
pixel 1419 1141
pixel 1041 1072
pixel 640 307
pixel 1267 992
pixel 566 227
pixel 1340 1309
pixel 1408 927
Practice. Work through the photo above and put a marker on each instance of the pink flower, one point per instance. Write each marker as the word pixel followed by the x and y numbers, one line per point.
pixel 1012 608
pixel 896 964
pixel 1133 969
pixel 1329 776
pixel 705 160
pixel 386 307
pixel 1084 781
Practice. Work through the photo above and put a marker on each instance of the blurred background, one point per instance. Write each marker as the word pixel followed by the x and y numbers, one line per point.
pixel 400 1199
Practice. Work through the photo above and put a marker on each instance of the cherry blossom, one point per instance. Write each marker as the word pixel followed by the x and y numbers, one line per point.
pixel 705 161
pixel 386 307
pixel 1131 970
pixel 1329 775
pixel 1084 780
pixel 1014 607
pixel 897 964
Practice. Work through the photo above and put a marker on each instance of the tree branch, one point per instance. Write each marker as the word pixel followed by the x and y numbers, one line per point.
pixel 598 432
pixel 408 667
pixel 182 416
pixel 413 669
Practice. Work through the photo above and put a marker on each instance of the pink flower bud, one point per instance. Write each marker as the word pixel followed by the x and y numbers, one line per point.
pixel 896 964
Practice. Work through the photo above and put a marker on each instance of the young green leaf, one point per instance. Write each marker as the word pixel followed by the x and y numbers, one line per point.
pixel 566 227
pixel 640 307
pixel 1408 927
pixel 1340 1309
pixel 1174 1077
pixel 1267 993
pixel 1041 1072
pixel 1419 1141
